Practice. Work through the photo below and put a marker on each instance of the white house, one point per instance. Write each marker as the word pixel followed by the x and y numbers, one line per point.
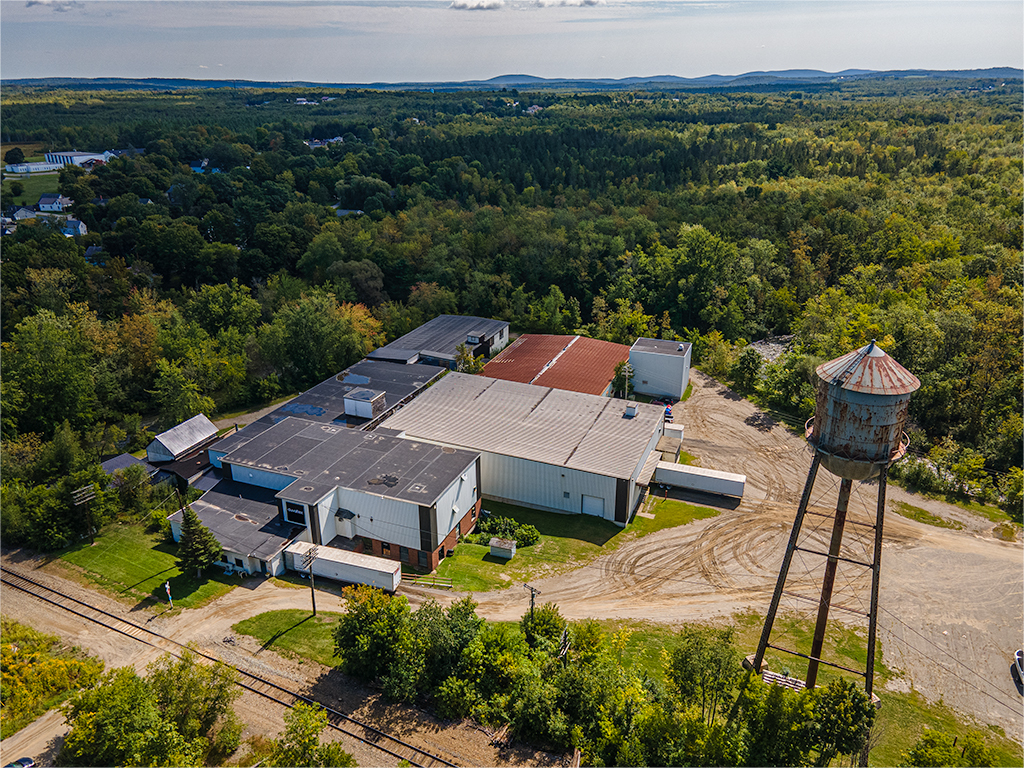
pixel 53 202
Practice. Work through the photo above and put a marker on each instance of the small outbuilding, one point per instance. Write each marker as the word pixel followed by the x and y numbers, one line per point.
pixel 661 368
pixel 503 548
pixel 177 441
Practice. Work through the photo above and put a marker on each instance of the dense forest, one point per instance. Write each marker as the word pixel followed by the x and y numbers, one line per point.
pixel 884 210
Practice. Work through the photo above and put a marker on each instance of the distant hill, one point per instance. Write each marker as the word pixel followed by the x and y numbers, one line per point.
pixel 781 78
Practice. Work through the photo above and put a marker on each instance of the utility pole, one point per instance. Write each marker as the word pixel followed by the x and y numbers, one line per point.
pixel 84 495
pixel 307 563
pixel 533 594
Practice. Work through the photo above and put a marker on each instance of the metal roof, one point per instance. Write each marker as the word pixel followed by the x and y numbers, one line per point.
pixel 244 518
pixel 125 460
pixel 187 435
pixel 869 370
pixel 662 346
pixel 525 358
pixel 439 337
pixel 588 365
pixel 322 457
pixel 575 363
pixel 552 426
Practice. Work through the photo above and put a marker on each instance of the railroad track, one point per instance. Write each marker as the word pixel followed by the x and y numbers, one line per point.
pixel 337 720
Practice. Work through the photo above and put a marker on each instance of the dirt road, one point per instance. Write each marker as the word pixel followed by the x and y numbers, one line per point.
pixel 951 604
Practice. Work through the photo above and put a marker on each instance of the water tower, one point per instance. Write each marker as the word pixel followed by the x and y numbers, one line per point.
pixel 857 432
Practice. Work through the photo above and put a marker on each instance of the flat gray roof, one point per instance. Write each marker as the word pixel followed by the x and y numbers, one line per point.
pixel 325 403
pixel 439 337
pixel 322 457
pixel 552 426
pixel 244 518
pixel 662 346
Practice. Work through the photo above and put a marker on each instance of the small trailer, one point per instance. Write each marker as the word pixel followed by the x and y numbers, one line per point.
pixel 342 565
pixel 700 479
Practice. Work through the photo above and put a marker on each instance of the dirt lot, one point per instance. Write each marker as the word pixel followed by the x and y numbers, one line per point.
pixel 951 604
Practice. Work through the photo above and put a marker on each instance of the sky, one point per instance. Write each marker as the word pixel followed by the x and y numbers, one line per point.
pixel 387 41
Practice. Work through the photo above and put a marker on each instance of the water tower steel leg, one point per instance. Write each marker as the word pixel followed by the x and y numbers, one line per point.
pixel 790 548
pixel 876 571
pixel 829 581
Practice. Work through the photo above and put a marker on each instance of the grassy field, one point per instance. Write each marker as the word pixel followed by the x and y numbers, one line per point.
pixel 34 150
pixel 566 542
pixel 34 187
pixel 688 459
pixel 296 632
pixel 924 516
pixel 133 565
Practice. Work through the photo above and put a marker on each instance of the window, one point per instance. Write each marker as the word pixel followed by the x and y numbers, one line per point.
pixel 239 563
pixel 367 544
pixel 385 548
pixel 403 554
pixel 294 513
pixel 421 558
pixel 225 558
pixel 565 494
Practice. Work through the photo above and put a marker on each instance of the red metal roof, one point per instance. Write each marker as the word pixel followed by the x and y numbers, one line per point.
pixel 525 357
pixel 869 370
pixel 573 363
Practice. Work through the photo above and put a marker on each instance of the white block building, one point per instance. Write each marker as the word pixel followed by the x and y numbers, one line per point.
pixel 660 368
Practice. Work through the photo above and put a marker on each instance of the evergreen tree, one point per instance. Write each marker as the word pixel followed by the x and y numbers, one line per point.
pixel 197 548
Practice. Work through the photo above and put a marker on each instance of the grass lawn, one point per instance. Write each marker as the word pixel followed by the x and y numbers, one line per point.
pixel 924 516
pixel 566 542
pixel 296 632
pixel 689 459
pixel 35 185
pixel 134 564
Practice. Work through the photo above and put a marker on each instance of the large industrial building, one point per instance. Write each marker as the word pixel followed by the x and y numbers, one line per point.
pixel 575 363
pixel 391 459
pixel 543 448
pixel 436 342
pixel 362 491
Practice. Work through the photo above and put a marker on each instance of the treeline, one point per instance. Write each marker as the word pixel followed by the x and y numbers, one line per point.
pixel 837 217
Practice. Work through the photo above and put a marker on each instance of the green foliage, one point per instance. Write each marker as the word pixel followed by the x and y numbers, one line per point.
pixel 194 696
pixel 14 156
pixel 301 744
pixel 373 633
pixel 703 668
pixel 36 673
pixel 118 722
pixel 197 547
pixel 524 534
pixel 543 627
pixel 936 748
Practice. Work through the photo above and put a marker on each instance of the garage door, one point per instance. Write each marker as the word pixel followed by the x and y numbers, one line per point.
pixel 593 505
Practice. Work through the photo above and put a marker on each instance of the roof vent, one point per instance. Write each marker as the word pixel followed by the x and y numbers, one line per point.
pixel 680 347
pixel 631 410
pixel 306 488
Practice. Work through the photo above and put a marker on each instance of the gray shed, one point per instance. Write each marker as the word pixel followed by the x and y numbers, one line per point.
pixel 179 440
pixel 504 548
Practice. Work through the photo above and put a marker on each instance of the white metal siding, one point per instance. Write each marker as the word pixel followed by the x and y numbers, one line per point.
pixel 700 479
pixel 543 486
pixel 659 374
pixel 397 522
pixel 453 504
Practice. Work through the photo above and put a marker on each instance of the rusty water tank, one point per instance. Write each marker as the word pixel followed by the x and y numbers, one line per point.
pixel 861 412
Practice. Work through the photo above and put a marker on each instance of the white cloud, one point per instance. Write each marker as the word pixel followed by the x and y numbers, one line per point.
pixel 477 5
pixel 58 6
pixel 563 3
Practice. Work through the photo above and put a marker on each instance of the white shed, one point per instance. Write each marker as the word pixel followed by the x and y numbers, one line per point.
pixel 503 548
pixel 661 368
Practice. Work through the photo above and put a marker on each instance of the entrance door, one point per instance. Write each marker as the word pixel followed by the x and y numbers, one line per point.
pixel 593 505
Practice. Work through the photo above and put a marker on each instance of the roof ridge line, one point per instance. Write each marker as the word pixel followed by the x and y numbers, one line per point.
pixel 553 360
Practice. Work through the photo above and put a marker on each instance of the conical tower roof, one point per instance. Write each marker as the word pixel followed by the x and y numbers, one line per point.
pixel 868 370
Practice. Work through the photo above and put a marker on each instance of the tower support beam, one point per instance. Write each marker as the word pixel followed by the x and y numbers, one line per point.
pixel 830 578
